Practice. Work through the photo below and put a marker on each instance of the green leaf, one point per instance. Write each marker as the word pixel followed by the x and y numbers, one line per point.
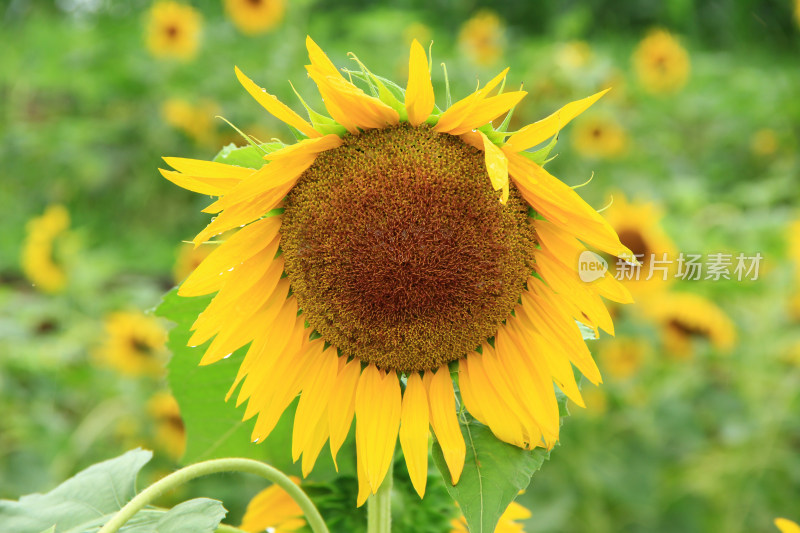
pixel 214 427
pixel 246 156
pixel 199 515
pixel 85 502
pixel 494 473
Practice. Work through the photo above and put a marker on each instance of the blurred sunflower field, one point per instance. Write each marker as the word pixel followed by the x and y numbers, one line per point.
pixel 692 157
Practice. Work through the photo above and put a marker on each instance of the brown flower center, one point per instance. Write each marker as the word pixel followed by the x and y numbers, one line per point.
pixel 399 251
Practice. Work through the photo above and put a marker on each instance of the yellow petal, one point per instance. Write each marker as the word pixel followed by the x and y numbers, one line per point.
pixel 499 416
pixel 532 381
pixel 314 399
pixel 243 245
pixel 786 525
pixel 567 285
pixel 555 322
pixel 445 423
pixel 419 91
pixel 342 405
pixel 286 166
pixel 245 212
pixel 534 345
pixel 209 186
pixel 315 443
pixel 414 431
pixel 467 395
pixel 496 166
pixel 350 106
pixel 272 508
pixel 207 169
pixel 540 131
pixel 377 422
pixel 485 111
pixel 275 107
pixel 363 483
pixel 460 111
pixel 561 205
pixel 320 60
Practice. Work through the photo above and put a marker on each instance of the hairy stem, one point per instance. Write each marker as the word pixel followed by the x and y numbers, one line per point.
pixel 379 506
pixel 213 467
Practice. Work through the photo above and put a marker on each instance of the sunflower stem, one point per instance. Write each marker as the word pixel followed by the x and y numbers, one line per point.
pixel 216 466
pixel 379 506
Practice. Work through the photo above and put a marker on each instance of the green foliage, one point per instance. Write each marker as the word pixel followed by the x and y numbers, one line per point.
pixel 85 502
pixel 494 473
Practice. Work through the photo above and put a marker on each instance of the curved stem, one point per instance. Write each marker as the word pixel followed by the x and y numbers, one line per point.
pixel 213 467
pixel 379 506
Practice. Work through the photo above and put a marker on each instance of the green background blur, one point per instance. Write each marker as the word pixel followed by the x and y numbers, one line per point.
pixel 705 443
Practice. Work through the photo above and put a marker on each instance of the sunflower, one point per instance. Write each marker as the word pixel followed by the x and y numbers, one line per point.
pixel 273 509
pixel 173 30
pixel 623 358
pixel 39 258
pixel 599 136
pixel 661 63
pixel 255 16
pixel 683 317
pixel 196 121
pixel 170 430
pixel 573 55
pixel 482 37
pixel 764 142
pixel 639 228
pixel 784 524
pixel 386 246
pixel 135 344
pixel 507 523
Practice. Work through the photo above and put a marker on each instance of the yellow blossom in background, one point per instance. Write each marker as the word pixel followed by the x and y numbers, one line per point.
pixel 135 344
pixel 195 120
pixel 344 313
pixel 684 318
pixel 482 37
pixel 784 524
pixel 638 225
pixel 39 257
pixel 170 432
pixel 189 258
pixel 661 63
pixel 573 55
pixel 596 401
pixel 793 247
pixel 622 357
pixel 764 142
pixel 173 30
pixel 599 136
pixel 273 510
pixel 255 16
pixel 506 524
pixel 419 31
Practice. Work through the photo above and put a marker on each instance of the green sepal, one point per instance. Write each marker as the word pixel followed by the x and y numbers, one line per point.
pixel 540 156
pixel 393 97
pixel 246 156
pixel 321 123
pixel 498 138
